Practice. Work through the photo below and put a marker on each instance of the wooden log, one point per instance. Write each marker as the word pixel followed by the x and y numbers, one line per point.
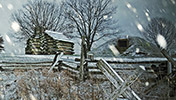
pixel 57 58
pixel 115 68
pixel 37 62
pixel 83 63
pixel 169 58
pixel 123 62
pixel 115 79
pixel 16 66
pixel 76 72
pixel 68 66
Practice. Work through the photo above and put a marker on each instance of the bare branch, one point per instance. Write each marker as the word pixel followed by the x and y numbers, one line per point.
pixel 90 17
pixel 163 27
pixel 39 13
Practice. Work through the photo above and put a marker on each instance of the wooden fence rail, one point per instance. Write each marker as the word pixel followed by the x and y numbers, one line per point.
pixel 95 67
pixel 68 62
pixel 65 64
pixel 127 60
pixel 116 80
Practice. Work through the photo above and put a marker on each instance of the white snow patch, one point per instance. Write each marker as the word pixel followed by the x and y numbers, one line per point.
pixel 161 41
pixel 137 50
pixel 105 17
pixel 127 36
pixel 142 67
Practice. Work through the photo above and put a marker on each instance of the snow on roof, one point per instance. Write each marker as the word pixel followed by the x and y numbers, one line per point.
pixel 123 37
pixel 57 36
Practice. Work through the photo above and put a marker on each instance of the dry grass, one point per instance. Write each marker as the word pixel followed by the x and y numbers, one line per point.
pixel 41 85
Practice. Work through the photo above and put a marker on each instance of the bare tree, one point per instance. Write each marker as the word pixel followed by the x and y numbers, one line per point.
pixel 92 19
pixel 162 33
pixel 39 13
pixel 1 44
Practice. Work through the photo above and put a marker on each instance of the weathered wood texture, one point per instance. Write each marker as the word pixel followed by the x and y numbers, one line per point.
pixel 115 79
pixel 28 61
pixel 83 63
pixel 42 43
pixel 126 62
pixel 56 60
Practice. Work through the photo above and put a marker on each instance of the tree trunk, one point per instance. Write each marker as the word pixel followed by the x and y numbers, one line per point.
pixel 169 58
pixel 88 47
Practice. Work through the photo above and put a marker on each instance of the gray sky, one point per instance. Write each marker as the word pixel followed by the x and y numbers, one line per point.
pixel 133 15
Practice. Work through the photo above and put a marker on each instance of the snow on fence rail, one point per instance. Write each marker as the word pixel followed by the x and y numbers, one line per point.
pixel 143 60
pixel 45 58
pixel 72 63
pixel 28 60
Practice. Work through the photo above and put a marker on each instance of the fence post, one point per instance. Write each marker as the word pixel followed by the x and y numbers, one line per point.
pixel 169 68
pixel 56 59
pixel 83 64
pixel 122 87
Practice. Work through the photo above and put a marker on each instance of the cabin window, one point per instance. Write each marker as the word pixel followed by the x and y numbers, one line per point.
pixel 122 43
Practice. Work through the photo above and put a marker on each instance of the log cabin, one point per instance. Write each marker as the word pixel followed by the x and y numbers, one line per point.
pixel 44 43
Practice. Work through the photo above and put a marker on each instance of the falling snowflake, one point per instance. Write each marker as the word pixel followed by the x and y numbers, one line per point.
pixel 15 26
pixel 161 41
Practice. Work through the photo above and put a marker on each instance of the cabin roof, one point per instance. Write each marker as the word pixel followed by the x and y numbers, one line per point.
pixel 58 36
